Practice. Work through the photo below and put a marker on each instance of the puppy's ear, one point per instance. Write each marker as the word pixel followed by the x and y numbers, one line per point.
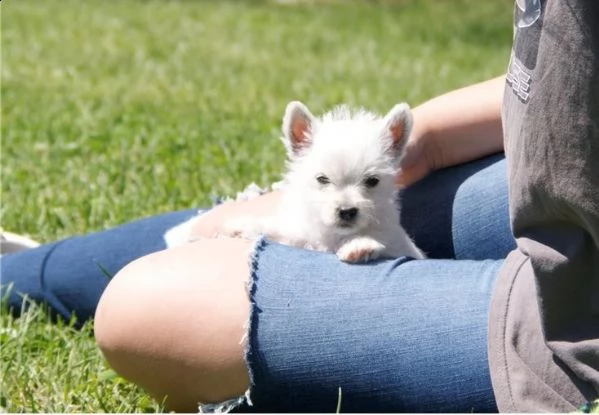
pixel 397 125
pixel 298 124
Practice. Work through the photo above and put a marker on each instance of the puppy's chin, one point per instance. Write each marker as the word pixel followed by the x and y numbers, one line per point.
pixel 345 229
pixel 329 224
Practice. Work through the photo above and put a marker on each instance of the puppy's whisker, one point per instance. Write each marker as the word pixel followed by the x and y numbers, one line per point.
pixel 372 219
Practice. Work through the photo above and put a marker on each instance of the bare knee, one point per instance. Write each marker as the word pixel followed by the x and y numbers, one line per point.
pixel 172 323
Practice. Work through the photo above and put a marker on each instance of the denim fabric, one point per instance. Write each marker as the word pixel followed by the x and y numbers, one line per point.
pixel 461 212
pixel 394 335
pixel 70 275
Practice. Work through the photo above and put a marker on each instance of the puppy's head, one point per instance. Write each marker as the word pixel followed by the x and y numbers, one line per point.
pixel 344 164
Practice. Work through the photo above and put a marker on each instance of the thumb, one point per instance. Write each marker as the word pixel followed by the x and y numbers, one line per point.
pixel 410 175
pixel 411 155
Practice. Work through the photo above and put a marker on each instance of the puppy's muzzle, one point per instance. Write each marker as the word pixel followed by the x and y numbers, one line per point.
pixel 347 216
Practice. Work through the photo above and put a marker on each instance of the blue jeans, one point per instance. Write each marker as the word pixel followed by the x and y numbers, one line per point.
pixel 393 335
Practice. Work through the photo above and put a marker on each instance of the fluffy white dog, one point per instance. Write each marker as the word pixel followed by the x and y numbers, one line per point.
pixel 339 192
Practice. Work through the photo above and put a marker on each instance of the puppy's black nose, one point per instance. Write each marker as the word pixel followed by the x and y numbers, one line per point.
pixel 348 214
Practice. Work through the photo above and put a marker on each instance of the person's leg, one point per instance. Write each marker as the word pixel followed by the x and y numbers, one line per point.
pixel 392 335
pixel 461 212
pixel 70 275
pixel 173 322
pixel 395 336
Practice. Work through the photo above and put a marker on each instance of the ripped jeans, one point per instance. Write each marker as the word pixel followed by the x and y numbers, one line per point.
pixel 389 336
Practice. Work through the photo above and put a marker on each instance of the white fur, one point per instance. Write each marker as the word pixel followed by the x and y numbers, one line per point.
pixel 347 147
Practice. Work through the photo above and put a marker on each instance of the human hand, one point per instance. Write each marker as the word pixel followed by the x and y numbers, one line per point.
pixel 454 128
pixel 211 222
pixel 421 154
pixel 417 161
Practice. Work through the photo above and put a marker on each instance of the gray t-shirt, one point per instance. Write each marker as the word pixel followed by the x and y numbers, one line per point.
pixel 544 318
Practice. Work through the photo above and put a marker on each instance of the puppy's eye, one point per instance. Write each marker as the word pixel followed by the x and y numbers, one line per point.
pixel 371 181
pixel 322 179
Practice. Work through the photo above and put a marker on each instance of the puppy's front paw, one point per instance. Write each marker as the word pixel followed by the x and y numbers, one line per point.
pixel 360 250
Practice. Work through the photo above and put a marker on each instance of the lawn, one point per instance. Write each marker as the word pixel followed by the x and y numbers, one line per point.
pixel 116 110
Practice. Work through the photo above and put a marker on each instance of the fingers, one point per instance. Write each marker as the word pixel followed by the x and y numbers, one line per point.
pixel 414 165
pixel 411 175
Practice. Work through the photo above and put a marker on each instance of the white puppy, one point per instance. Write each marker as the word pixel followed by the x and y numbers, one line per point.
pixel 339 192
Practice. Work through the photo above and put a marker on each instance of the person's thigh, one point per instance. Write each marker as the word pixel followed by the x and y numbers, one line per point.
pixel 174 321
pixel 70 275
pixel 392 335
pixel 461 212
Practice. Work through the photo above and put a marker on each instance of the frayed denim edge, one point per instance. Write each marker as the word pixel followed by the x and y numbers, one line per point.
pixel 247 340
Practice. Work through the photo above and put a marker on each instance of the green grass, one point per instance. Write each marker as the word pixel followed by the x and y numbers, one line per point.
pixel 116 110
pixel 50 367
